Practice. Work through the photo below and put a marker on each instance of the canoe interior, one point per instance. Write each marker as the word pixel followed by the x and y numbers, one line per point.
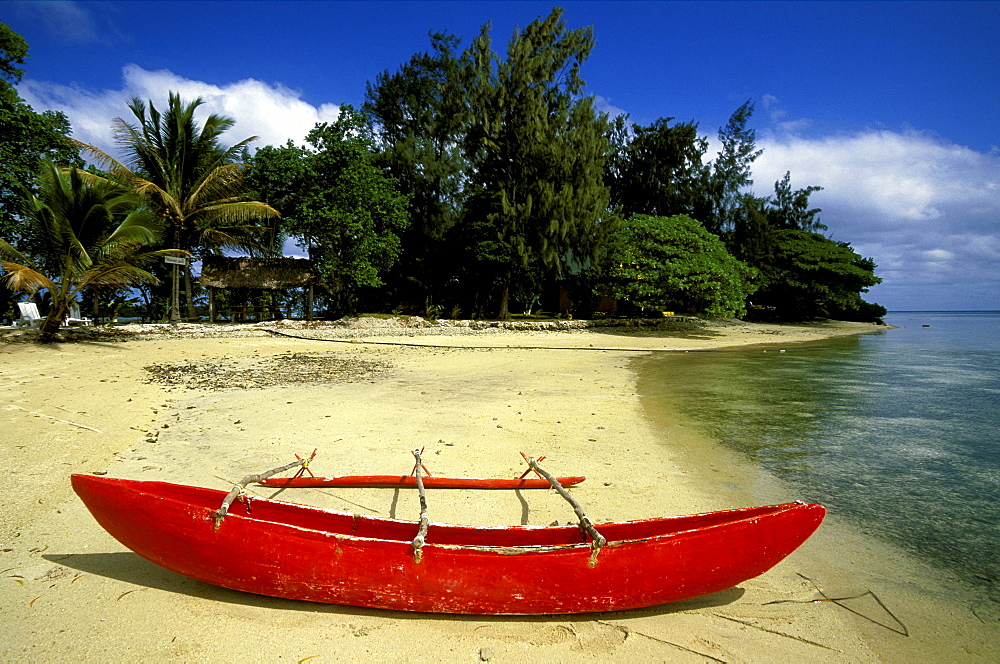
pixel 369 527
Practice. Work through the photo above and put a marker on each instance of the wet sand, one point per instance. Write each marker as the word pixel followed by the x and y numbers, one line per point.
pixel 207 411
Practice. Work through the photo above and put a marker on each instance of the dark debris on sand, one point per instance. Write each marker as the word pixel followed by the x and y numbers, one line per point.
pixel 258 372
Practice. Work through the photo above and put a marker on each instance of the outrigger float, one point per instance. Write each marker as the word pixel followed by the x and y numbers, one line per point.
pixel 299 480
pixel 282 549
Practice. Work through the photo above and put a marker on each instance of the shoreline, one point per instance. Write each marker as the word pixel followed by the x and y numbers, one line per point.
pixel 74 592
pixel 907 608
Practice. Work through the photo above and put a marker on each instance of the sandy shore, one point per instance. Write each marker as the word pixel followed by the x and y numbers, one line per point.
pixel 202 409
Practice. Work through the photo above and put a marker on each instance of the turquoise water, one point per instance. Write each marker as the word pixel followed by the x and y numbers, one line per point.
pixel 895 430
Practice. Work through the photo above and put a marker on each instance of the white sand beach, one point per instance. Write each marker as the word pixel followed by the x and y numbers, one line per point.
pixel 195 408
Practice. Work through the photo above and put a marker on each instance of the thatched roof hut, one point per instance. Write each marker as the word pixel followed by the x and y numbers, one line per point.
pixel 256 273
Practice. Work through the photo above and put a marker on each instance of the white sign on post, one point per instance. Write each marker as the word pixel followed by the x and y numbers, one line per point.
pixel 170 260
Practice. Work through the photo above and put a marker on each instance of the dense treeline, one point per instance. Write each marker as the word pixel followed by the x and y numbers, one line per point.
pixel 26 138
pixel 471 183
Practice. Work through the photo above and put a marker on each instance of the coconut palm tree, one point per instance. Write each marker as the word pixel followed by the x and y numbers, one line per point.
pixel 193 183
pixel 84 234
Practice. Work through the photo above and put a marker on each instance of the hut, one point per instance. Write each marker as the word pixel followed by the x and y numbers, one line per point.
pixel 256 274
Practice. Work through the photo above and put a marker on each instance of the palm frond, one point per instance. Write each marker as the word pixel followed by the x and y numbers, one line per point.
pixel 24 278
pixel 118 171
pixel 183 172
pixel 246 238
pixel 224 181
pixel 95 180
pixel 236 212
pixel 117 274
pixel 231 155
pixel 7 251
pixel 77 253
pixel 73 219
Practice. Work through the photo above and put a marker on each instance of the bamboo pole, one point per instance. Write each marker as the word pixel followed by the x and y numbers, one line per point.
pixel 237 491
pixel 585 523
pixel 425 522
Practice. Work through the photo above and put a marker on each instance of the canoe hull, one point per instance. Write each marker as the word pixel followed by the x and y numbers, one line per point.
pixel 298 552
pixel 410 482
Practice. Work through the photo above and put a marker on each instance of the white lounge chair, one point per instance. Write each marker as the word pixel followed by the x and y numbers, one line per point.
pixel 75 318
pixel 29 315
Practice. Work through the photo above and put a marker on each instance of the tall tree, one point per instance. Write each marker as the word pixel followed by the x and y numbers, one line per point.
pixel 731 173
pixel 753 237
pixel 790 209
pixel 27 139
pixel 539 150
pixel 421 115
pixel 337 202
pixel 13 51
pixel 660 170
pixel 187 177
pixel 85 234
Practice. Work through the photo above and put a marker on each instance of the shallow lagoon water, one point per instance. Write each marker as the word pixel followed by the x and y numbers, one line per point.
pixel 895 431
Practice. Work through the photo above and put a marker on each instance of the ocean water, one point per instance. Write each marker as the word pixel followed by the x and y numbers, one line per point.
pixel 897 431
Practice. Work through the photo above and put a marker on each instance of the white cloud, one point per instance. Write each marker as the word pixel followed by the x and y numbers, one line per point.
pixel 778 117
pixel 604 105
pixel 273 113
pixel 66 21
pixel 927 210
pixel 939 254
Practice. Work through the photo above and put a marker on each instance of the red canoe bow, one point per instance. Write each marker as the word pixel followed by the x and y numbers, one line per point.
pixel 298 552
pixel 409 481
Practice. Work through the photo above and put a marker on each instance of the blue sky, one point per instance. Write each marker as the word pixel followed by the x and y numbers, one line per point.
pixel 891 106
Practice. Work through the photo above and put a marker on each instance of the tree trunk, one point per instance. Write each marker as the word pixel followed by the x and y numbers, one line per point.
pixel 57 313
pixel 175 305
pixel 175 308
pixel 505 299
pixel 187 291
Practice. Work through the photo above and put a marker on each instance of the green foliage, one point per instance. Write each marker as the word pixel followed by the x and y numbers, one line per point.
pixel 538 149
pixel 188 179
pixel 790 209
pixel 660 171
pixel 812 276
pixel 752 235
pixel 489 179
pixel 26 138
pixel 731 172
pixel 674 263
pixel 185 175
pixel 13 51
pixel 84 234
pixel 421 112
pixel 422 115
pixel 336 201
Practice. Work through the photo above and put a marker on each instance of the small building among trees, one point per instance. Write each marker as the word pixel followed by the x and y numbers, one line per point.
pixel 256 274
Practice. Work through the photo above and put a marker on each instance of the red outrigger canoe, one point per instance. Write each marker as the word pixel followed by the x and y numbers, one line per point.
pixel 410 482
pixel 298 552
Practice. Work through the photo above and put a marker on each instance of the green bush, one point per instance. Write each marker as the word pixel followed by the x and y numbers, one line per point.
pixel 812 276
pixel 673 263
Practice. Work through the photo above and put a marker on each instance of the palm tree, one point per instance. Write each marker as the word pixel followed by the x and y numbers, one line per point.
pixel 187 178
pixel 85 234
